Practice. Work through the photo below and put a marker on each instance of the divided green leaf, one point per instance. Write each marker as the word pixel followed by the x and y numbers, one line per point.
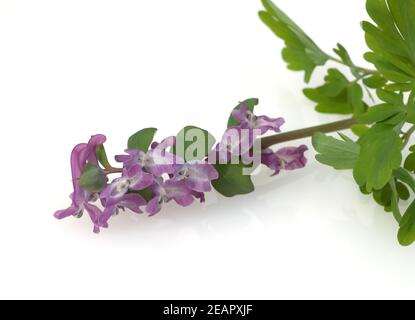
pixel 392 38
pixel 300 52
pixel 346 59
pixel 338 95
pixel 339 154
pixel 375 81
pixel 380 113
pixel 380 154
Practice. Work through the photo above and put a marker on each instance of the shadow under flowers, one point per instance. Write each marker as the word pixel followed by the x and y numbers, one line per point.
pixel 271 201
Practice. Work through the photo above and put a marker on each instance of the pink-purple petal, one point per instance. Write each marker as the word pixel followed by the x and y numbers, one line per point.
pixel 271 160
pixel 94 214
pixel 293 157
pixel 154 206
pixel 240 113
pixel 71 211
pixel 93 145
pixel 132 201
pixel 265 124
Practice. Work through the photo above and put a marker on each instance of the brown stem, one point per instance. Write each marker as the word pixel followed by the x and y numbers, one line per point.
pixel 306 132
pixel 113 170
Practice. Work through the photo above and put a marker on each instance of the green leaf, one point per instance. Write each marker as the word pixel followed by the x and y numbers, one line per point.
pixel 336 153
pixel 395 99
pixel 392 39
pixel 195 149
pixel 380 154
pixel 93 178
pixel 402 191
pixel 364 191
pixel 409 163
pixel 346 59
pixel 375 81
pixel 406 234
pixel 395 200
pixel 400 87
pixel 338 95
pixel 103 158
pixel 250 103
pixel 142 139
pixel 232 181
pixel 380 113
pixel 359 129
pixel 411 108
pixel 355 98
pixel 147 194
pixel 403 175
pixel 300 53
pixel 383 196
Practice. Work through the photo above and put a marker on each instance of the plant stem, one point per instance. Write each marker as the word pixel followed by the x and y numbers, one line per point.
pixel 408 135
pixel 293 135
pixel 113 170
pixel 365 71
pixel 306 132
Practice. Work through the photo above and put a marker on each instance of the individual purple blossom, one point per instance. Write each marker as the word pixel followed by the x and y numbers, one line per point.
pixel 248 120
pixel 131 201
pixel 165 191
pixel 133 178
pixel 115 196
pixel 156 161
pixel 81 155
pixel 235 142
pixel 197 175
pixel 289 158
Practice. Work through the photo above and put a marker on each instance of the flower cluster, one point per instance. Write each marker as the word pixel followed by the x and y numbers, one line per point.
pixel 150 178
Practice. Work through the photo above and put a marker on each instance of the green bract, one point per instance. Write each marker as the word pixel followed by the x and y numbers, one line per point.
pixel 93 178
pixel 232 181
pixel 142 139
pixel 193 143
pixel 103 158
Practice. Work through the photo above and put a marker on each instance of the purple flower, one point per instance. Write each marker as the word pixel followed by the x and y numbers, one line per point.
pixel 164 192
pixel 289 158
pixel 131 201
pixel 115 196
pixel 81 155
pixel 157 161
pixel 197 176
pixel 235 142
pixel 199 195
pixel 133 178
pixel 250 121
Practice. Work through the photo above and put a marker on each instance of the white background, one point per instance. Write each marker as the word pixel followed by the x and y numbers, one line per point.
pixel 69 69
